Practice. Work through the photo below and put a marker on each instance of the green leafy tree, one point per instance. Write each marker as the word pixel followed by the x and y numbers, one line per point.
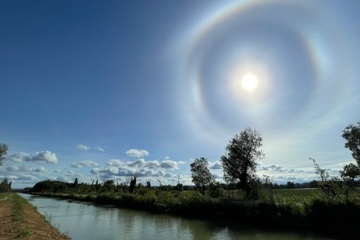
pixel 350 172
pixel 5 186
pixel 3 152
pixel 200 173
pixel 240 161
pixel 351 134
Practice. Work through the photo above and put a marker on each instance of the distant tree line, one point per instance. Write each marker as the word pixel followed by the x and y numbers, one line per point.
pixel 239 167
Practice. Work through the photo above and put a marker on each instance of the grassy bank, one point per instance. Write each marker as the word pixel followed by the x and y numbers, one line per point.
pixel 20 220
pixel 303 209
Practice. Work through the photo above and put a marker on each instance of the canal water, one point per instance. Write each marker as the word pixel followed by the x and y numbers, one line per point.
pixel 86 221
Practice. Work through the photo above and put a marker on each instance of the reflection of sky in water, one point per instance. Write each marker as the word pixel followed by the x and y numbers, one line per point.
pixel 87 221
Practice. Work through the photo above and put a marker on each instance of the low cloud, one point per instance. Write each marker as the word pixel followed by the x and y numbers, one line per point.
pixel 138 153
pixel 86 163
pixel 41 157
pixel 169 164
pixel 142 168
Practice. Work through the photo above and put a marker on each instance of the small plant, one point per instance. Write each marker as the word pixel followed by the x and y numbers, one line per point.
pixel 24 233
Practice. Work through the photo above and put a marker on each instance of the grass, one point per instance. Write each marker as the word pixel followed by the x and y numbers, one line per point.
pixel 18 204
pixel 18 207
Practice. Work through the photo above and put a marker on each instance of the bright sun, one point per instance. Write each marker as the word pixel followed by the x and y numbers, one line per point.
pixel 249 82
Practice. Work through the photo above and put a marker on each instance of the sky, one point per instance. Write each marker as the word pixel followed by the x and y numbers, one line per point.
pixel 107 90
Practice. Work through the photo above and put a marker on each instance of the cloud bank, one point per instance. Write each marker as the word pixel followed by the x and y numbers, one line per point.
pixel 41 157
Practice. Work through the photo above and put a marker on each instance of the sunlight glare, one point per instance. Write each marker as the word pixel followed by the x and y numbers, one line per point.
pixel 249 82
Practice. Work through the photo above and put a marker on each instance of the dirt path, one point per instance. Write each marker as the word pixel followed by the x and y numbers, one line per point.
pixel 31 226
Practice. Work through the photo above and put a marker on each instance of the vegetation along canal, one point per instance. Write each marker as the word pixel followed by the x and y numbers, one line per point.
pixel 89 221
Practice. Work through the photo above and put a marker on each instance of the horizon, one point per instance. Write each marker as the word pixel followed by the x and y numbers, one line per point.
pixel 103 91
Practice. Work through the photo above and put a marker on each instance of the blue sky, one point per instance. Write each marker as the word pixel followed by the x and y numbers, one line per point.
pixel 105 90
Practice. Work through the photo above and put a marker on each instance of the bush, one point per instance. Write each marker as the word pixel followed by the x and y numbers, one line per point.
pixel 215 190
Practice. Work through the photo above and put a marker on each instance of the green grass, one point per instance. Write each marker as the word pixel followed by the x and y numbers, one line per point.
pixel 24 233
pixel 18 207
pixel 301 192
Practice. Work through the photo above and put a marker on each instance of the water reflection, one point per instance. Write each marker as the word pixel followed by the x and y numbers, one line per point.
pixel 88 221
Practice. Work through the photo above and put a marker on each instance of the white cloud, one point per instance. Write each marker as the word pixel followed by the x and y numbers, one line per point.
pixel 25 168
pixel 83 147
pixel 152 164
pixel 137 163
pixel 115 162
pixel 100 149
pixel 87 148
pixel 168 175
pixel 12 168
pixel 169 164
pixel 28 177
pixel 20 157
pixel 11 177
pixel 86 163
pixel 41 169
pixel 138 153
pixel 114 170
pixel 62 179
pixel 215 165
pixel 43 157
pixel 118 168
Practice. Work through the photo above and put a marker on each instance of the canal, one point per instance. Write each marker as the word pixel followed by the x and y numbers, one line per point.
pixel 88 221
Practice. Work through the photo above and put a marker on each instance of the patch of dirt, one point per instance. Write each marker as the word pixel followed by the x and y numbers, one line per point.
pixel 32 226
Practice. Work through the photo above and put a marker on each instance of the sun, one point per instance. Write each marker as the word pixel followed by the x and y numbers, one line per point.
pixel 249 82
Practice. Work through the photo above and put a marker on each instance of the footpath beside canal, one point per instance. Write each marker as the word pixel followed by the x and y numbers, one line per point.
pixel 18 219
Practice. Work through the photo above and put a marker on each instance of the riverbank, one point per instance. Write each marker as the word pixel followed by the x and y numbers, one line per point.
pixel 18 219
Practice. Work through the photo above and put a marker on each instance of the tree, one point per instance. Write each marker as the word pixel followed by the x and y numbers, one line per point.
pixel 350 172
pixel 240 161
pixel 3 151
pixel 132 184
pixel 290 184
pixel 352 136
pixel 200 173
pixel 5 186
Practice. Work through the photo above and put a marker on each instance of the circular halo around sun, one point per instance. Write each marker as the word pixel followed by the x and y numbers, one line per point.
pixel 249 82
